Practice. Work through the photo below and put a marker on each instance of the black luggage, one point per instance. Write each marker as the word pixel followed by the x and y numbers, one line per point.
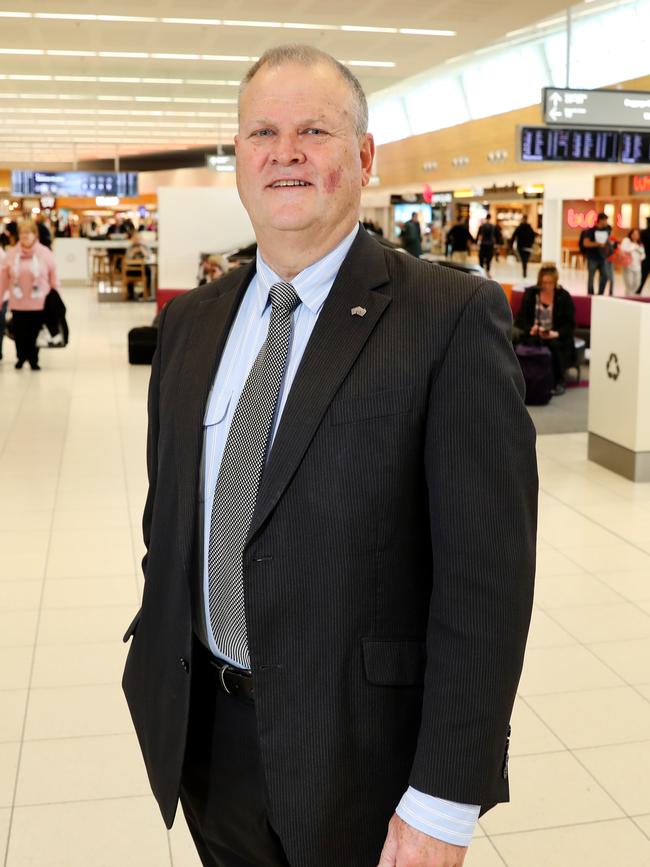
pixel 142 344
pixel 537 368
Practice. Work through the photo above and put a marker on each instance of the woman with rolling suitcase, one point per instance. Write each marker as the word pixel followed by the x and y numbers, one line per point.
pixel 27 275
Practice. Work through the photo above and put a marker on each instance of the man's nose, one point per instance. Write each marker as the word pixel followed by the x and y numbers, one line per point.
pixel 287 151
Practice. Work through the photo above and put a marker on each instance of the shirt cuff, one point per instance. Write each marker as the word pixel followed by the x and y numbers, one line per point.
pixel 445 820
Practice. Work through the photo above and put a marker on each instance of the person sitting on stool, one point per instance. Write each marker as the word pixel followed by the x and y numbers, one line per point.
pixel 137 251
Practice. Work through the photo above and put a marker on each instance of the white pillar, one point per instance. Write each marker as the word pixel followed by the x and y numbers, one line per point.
pixel 552 231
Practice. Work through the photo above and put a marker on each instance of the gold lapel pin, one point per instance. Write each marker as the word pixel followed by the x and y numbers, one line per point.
pixel 358 311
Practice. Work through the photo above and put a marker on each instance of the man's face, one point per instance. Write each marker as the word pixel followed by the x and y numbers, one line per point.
pixel 602 224
pixel 297 125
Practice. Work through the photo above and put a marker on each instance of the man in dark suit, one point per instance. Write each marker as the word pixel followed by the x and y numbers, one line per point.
pixel 340 524
pixel 412 235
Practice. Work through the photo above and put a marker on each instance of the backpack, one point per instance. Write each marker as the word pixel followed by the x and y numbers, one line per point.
pixel 537 368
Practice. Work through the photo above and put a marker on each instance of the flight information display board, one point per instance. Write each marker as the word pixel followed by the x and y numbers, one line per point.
pixel 635 147
pixel 74 184
pixel 544 144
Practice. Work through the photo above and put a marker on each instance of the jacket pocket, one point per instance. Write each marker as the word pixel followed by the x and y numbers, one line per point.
pixel 394 662
pixel 373 405
pixel 133 625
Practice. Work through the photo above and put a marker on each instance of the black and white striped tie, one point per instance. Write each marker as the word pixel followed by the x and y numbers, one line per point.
pixel 239 479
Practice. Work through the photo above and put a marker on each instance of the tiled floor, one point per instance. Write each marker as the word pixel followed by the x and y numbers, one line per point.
pixel 73 792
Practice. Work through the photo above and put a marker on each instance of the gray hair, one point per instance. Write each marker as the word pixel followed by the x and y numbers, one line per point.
pixel 307 55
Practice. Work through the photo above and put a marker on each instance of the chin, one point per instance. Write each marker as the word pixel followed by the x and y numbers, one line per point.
pixel 290 222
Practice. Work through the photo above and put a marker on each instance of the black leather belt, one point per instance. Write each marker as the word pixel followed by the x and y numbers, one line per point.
pixel 233 681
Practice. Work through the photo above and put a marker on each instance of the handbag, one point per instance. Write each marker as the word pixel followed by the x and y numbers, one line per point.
pixel 620 258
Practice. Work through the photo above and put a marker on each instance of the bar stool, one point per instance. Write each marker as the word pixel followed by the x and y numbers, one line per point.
pixel 100 268
pixel 135 273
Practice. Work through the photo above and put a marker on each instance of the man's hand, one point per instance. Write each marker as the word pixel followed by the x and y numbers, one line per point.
pixel 407 847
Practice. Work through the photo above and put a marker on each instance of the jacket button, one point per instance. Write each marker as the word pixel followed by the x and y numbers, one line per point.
pixel 185 664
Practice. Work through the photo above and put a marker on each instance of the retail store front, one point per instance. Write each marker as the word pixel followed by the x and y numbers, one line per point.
pixel 624 198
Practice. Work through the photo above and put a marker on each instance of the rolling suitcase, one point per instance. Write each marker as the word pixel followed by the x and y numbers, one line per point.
pixel 537 368
pixel 142 344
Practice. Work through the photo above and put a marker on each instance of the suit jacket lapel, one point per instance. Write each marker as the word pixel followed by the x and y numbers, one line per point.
pixel 336 341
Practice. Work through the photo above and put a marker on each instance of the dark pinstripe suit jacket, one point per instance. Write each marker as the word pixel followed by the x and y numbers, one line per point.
pixel 389 566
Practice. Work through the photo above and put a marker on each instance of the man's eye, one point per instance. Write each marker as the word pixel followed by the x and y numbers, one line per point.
pixel 312 130
pixel 262 132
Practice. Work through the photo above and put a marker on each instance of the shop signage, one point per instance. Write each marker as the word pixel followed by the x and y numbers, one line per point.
pixel 543 144
pixel 576 219
pixel 615 108
pixel 441 198
pixel 581 219
pixel 641 183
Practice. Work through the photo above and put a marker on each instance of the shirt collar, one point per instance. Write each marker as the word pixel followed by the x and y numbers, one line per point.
pixel 312 284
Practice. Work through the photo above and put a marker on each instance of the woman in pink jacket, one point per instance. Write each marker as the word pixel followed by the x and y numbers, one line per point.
pixel 27 275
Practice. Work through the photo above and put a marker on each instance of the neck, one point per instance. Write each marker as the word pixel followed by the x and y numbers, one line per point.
pixel 289 253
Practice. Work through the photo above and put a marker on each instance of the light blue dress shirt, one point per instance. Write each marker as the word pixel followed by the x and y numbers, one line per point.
pixel 451 822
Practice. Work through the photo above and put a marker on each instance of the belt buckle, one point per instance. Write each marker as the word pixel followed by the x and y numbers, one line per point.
pixel 222 670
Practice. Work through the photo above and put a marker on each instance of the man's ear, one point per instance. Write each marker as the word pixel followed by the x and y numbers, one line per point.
pixel 367 157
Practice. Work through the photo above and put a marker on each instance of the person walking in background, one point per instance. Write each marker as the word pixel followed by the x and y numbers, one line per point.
pixel 4 296
pixel 215 266
pixel 523 238
pixel 597 245
pixel 459 241
pixel 28 274
pixel 412 236
pixel 486 238
pixel 634 254
pixel 645 265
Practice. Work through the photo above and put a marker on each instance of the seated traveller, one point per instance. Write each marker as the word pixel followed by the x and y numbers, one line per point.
pixel 547 317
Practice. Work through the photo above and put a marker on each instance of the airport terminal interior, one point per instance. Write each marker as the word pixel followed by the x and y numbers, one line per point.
pixel 116 139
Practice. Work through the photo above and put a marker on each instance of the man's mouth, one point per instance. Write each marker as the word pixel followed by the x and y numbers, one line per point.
pixel 289 182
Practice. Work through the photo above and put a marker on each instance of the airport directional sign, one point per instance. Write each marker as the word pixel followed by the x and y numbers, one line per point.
pixel 622 109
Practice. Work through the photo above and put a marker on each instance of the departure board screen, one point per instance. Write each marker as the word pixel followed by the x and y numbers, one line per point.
pixel 75 184
pixel 635 147
pixel 544 144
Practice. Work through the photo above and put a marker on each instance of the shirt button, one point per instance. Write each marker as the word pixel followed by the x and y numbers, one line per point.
pixel 185 665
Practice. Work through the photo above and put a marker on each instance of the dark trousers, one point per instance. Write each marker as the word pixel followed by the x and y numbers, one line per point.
pixel 645 270
pixel 3 322
pixel 599 265
pixel 557 360
pixel 26 325
pixel 485 255
pixel 223 793
pixel 524 255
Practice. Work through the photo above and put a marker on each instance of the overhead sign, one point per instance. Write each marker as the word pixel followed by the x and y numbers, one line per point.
pixel 543 144
pixel 74 184
pixel 617 108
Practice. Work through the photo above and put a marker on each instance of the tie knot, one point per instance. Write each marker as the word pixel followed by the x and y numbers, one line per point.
pixel 283 297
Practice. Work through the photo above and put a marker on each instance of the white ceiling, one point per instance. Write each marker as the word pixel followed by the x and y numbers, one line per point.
pixel 192 102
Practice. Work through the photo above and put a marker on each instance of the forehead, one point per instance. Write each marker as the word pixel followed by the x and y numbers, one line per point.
pixel 293 89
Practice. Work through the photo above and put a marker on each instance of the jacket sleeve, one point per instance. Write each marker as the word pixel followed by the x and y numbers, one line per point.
pixel 481 479
pixel 525 318
pixel 153 428
pixel 565 317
